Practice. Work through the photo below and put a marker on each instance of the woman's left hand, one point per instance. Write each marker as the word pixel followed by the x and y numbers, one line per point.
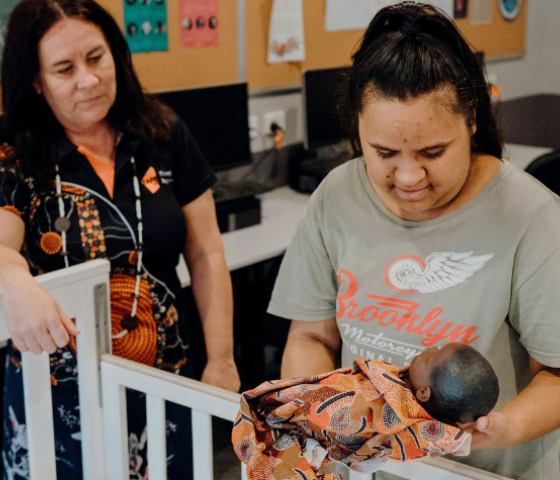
pixel 222 374
pixel 492 431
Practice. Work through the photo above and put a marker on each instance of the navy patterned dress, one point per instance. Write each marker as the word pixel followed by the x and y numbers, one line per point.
pixel 172 175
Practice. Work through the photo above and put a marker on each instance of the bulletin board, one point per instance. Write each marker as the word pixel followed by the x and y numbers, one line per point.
pixel 322 49
pixel 333 49
pixel 502 38
pixel 179 67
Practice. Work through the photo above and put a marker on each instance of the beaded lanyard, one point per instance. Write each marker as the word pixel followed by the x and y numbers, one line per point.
pixel 62 225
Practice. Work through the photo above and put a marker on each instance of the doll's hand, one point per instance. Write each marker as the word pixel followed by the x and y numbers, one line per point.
pixel 492 431
pixel 222 374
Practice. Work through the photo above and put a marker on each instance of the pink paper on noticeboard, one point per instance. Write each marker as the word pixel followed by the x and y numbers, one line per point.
pixel 199 23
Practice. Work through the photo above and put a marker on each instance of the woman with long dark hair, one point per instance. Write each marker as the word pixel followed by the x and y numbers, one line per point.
pixel 429 237
pixel 94 168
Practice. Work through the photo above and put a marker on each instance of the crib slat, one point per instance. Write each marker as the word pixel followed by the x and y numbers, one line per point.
pixel 360 476
pixel 203 468
pixel 157 447
pixel 243 471
pixel 116 427
pixel 39 416
pixel 423 471
pixel 91 413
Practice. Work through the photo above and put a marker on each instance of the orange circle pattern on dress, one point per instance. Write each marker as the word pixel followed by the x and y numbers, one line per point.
pixel 12 209
pixel 51 243
pixel 139 345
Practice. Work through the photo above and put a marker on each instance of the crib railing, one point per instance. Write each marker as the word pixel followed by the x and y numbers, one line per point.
pixel 82 292
pixel 204 400
pixel 207 401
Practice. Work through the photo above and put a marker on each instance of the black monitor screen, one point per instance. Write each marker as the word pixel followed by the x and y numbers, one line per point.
pixel 218 117
pixel 322 121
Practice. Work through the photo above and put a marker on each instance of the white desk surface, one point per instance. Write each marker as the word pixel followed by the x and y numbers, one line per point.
pixel 281 211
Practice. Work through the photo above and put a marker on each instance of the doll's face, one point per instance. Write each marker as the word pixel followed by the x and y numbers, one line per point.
pixel 420 370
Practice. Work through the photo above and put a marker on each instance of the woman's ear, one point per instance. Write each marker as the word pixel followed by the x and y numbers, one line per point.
pixel 423 394
pixel 473 124
pixel 37 86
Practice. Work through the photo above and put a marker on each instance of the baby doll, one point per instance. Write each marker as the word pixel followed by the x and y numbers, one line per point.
pixel 364 415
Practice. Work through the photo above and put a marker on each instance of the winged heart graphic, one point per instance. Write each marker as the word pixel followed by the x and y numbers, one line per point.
pixel 408 274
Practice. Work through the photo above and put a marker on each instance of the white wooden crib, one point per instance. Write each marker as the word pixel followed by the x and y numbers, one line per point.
pixel 82 292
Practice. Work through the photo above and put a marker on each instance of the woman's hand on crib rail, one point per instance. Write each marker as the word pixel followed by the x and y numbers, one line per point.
pixel 222 374
pixel 35 321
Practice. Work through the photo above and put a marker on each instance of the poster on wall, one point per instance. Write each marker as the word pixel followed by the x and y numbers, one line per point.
pixel 199 23
pixel 482 12
pixel 286 39
pixel 461 9
pixel 349 14
pixel 145 24
pixel 357 14
pixel 6 7
pixel 510 8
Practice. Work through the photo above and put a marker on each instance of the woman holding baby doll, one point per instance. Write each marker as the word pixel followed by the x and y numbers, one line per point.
pixel 94 168
pixel 428 237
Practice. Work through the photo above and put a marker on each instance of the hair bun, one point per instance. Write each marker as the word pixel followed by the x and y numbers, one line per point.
pixel 409 28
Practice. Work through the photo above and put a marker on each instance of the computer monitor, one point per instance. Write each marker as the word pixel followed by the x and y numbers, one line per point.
pixel 322 123
pixel 218 117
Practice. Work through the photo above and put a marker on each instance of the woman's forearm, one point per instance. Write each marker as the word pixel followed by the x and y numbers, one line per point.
pixel 212 290
pixel 13 269
pixel 534 412
pixel 306 358
pixel 312 348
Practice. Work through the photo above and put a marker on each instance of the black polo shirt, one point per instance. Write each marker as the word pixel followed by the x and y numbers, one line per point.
pixel 171 175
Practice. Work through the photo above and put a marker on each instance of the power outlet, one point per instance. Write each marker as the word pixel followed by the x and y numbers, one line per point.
pixel 493 78
pixel 278 117
pixel 253 127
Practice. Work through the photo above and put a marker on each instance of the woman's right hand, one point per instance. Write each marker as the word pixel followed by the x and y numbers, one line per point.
pixel 35 321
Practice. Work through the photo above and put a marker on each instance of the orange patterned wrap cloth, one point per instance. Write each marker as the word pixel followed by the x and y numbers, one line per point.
pixel 359 416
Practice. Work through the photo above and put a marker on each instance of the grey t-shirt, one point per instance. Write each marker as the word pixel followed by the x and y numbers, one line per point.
pixel 487 274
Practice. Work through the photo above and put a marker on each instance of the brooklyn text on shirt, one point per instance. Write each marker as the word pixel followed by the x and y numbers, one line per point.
pixel 399 314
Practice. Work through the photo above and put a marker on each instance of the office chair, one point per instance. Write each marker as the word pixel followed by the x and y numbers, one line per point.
pixel 546 169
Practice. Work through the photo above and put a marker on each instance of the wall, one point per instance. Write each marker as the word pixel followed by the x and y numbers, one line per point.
pixel 179 67
pixel 538 71
pixel 552 61
pixel 529 75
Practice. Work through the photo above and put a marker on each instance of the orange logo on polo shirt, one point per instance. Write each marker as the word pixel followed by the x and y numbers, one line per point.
pixel 150 180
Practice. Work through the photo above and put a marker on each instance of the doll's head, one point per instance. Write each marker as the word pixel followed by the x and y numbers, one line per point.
pixel 454 384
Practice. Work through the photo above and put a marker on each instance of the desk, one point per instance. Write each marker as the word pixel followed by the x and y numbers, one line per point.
pixel 282 210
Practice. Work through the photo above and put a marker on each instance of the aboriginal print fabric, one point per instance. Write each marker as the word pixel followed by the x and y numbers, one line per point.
pixel 103 226
pixel 360 416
